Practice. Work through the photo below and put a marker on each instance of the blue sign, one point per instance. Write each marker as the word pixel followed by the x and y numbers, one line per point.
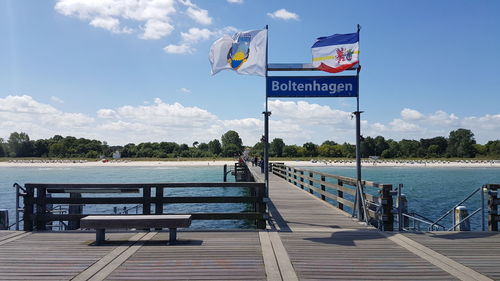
pixel 310 86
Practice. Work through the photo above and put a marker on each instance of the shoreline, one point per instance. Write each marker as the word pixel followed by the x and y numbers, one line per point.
pixel 220 163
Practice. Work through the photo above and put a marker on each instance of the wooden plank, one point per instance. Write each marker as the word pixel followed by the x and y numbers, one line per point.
pixel 52 255
pixel 136 221
pixel 454 268
pixel 9 234
pixel 270 262
pixel 284 263
pixel 198 256
pixel 141 200
pixel 104 261
pixel 14 238
pixel 195 216
pixel 116 262
pixel 60 187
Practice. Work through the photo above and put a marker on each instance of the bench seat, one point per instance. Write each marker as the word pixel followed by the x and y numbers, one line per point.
pixel 101 223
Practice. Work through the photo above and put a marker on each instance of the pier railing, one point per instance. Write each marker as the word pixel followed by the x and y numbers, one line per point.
pixel 38 199
pixel 341 191
pixel 493 202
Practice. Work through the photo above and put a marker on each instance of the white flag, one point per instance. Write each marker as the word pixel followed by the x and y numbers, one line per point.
pixel 244 53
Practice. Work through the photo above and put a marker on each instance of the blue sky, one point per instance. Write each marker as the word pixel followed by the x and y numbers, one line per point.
pixel 133 71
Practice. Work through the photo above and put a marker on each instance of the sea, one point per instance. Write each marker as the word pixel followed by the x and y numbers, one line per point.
pixel 430 192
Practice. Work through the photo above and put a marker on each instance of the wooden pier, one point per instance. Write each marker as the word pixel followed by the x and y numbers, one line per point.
pixel 307 239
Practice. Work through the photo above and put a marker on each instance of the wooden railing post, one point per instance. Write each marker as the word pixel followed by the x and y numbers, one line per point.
pixel 340 194
pixel 146 206
pixel 387 206
pixel 261 206
pixel 74 209
pixel 294 176
pixel 289 174
pixel 301 179
pixel 158 204
pixel 493 207
pixel 28 208
pixel 323 187
pixel 41 209
pixel 311 182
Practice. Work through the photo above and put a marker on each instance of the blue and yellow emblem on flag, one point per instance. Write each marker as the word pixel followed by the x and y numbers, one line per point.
pixel 238 54
pixel 245 53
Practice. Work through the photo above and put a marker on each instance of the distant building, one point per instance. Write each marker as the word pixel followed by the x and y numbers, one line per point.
pixel 117 155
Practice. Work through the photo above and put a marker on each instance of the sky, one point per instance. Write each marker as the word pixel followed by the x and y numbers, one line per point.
pixel 138 70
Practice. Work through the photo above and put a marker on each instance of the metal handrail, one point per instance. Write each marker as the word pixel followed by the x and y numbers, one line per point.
pixel 451 210
pixel 18 194
pixel 416 219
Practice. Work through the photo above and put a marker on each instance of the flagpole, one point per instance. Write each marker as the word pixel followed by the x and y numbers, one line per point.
pixel 359 205
pixel 266 126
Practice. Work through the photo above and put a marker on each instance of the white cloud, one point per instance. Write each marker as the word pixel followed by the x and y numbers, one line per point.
pixel 296 122
pixel 179 49
pixel 56 99
pixel 195 34
pixel 410 114
pixel 152 17
pixel 185 90
pixel 235 1
pixel 156 29
pixel 199 15
pixel 283 14
pixel 23 113
pixel 106 113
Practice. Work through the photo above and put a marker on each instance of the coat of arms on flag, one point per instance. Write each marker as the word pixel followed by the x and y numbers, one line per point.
pixel 336 53
pixel 244 53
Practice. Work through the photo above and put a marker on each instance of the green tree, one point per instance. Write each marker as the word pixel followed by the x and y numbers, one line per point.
pixel 329 150
pixel 41 148
pixel 215 147
pixel 276 147
pixel 310 149
pixel 380 145
pixel 460 143
pixel 258 149
pixel 348 150
pixel 2 148
pixel 231 150
pixel 480 149
pixel 203 147
pixel 20 145
pixel 291 151
pixel 493 148
pixel 368 147
pixel 440 142
pixel 409 148
pixel 231 143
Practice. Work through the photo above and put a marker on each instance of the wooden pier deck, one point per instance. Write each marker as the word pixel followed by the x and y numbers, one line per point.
pixel 307 240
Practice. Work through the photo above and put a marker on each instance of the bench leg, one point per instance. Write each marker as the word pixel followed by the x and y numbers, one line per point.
pixel 99 236
pixel 173 235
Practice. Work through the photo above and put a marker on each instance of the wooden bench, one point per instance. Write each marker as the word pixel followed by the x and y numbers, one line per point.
pixel 101 223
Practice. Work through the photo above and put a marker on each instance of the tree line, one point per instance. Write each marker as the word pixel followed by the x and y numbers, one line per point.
pixel 20 145
pixel 459 144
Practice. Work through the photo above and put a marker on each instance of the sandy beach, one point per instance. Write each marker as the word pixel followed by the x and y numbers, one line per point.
pixel 311 163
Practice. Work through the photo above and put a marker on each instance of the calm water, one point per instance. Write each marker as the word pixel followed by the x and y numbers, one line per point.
pixel 8 176
pixel 430 191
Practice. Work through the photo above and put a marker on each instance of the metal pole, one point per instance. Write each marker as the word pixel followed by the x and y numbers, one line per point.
pixel 482 209
pixel 266 128
pixel 17 206
pixel 359 203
